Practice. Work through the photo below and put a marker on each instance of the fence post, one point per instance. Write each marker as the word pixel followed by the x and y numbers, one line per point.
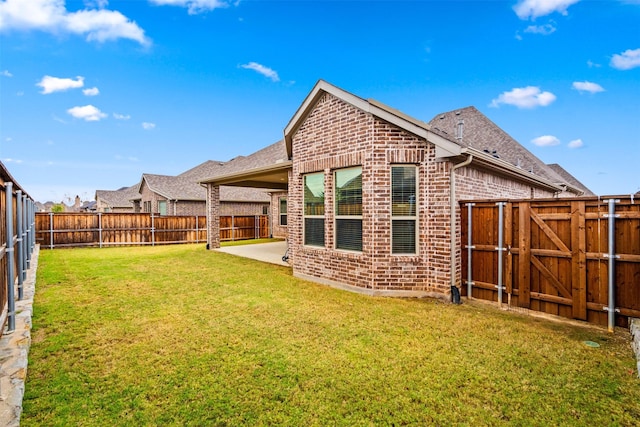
pixel 500 248
pixel 233 228
pixel 470 249
pixel 11 304
pixel 256 227
pixel 19 242
pixel 197 232
pixel 51 230
pixel 26 238
pixel 153 231
pixel 611 309
pixel 100 229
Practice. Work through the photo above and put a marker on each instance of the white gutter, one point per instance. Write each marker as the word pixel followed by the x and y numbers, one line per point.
pixel 455 293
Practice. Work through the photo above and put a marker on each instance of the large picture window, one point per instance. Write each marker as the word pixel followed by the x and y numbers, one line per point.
pixel 403 210
pixel 314 209
pixel 348 202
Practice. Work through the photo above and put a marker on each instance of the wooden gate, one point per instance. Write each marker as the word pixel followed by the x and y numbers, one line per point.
pixel 559 256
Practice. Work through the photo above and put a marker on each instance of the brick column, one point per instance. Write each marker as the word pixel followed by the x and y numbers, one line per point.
pixel 213 216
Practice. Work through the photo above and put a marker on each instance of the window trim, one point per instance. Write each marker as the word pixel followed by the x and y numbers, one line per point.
pixel 413 218
pixel 280 213
pixel 337 217
pixel 305 216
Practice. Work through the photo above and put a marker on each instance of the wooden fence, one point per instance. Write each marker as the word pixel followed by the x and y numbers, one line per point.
pixel 58 230
pixel 17 238
pixel 576 258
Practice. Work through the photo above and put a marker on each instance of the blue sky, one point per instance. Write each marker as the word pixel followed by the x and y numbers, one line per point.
pixel 95 93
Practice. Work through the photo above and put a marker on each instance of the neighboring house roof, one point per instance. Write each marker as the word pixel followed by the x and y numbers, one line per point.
pixel 118 198
pixel 266 168
pixel 186 186
pixel 570 179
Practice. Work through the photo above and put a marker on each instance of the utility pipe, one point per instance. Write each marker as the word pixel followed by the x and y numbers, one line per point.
pixel 452 225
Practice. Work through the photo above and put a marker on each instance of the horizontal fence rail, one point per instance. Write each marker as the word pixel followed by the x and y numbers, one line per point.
pixel 60 230
pixel 576 258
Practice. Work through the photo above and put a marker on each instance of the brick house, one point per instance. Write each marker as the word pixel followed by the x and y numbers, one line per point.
pixel 372 193
pixel 119 201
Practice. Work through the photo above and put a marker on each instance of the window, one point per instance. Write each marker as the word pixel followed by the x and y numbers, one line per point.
pixel 403 209
pixel 314 209
pixel 283 211
pixel 147 207
pixel 348 199
pixel 162 207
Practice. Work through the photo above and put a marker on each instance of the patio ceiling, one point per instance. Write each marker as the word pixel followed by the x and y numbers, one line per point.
pixel 274 177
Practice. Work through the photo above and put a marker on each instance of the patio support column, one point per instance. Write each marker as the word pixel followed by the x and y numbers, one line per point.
pixel 213 216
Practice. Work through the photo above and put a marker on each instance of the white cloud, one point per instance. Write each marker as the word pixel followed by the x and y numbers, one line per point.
pixel 626 60
pixel 121 116
pixel 588 87
pixel 525 97
pixel 533 9
pixel 265 71
pixel 88 113
pixel 576 143
pixel 194 6
pixel 55 84
pixel 52 16
pixel 10 160
pixel 546 141
pixel 91 91
pixel 545 30
pixel 6 73
pixel 96 4
pixel 148 126
pixel 592 64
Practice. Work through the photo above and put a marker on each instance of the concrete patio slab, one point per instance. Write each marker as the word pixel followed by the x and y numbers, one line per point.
pixel 266 252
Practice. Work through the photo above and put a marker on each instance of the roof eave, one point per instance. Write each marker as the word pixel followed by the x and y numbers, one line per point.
pixel 506 168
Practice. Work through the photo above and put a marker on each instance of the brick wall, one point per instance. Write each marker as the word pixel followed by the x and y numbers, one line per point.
pixel 337 135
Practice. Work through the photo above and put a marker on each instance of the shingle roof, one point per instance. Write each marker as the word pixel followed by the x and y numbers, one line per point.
pixel 479 132
pixel 570 179
pixel 186 185
pixel 270 155
pixel 118 198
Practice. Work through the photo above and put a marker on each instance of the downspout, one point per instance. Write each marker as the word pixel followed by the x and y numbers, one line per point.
pixel 455 292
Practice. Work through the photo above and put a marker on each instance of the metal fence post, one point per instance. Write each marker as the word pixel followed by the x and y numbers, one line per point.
pixel 611 308
pixel 153 231
pixel 500 248
pixel 51 230
pixel 11 304
pixel 100 229
pixel 19 242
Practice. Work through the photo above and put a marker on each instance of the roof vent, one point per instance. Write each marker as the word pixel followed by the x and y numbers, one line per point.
pixel 460 130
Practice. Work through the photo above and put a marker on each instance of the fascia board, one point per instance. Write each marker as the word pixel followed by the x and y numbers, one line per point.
pixel 244 175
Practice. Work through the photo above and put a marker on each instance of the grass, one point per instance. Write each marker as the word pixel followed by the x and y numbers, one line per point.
pixel 177 335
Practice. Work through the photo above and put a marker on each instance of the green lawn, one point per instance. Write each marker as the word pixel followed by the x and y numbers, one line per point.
pixel 177 335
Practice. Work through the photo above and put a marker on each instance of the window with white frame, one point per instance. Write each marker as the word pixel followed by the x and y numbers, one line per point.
pixel 348 209
pixel 283 211
pixel 403 209
pixel 313 201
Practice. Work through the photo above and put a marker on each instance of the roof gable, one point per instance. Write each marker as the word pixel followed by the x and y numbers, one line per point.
pixel 444 145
